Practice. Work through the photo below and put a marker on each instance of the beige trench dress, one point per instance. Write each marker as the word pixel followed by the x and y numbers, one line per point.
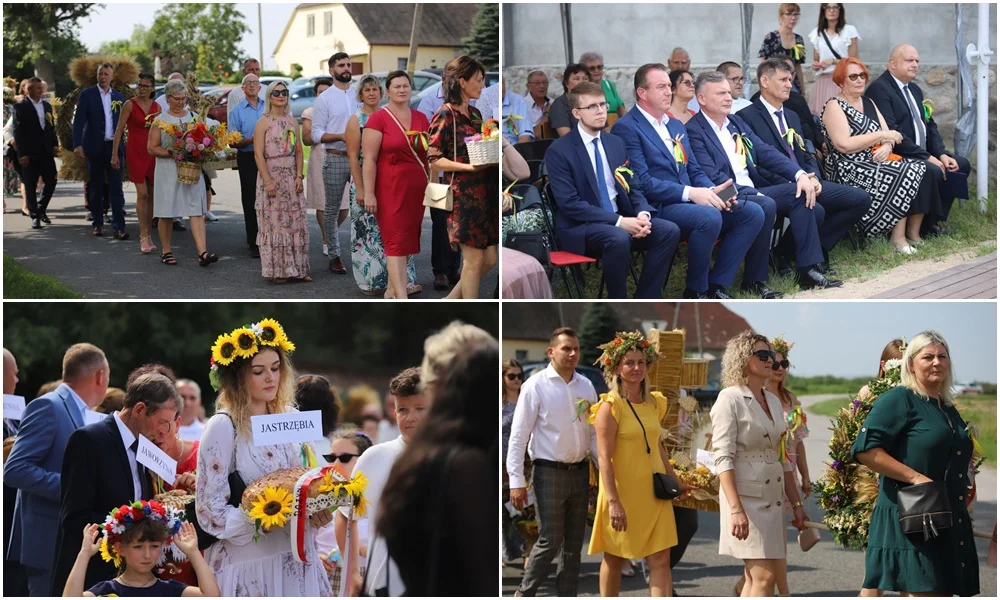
pixel 746 441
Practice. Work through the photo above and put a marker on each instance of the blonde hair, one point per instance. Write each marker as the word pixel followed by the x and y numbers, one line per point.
pixel 267 97
pixel 738 352
pixel 234 392
pixel 615 381
pixel 443 348
pixel 909 378
pixel 788 7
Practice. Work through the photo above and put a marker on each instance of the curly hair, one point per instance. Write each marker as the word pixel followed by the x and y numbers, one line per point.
pixel 738 352
pixel 909 379
pixel 234 392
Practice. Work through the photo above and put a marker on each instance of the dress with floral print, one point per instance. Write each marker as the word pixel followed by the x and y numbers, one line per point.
pixel 283 235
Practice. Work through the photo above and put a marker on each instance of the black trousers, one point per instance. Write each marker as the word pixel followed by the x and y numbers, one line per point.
pixel 956 186
pixel 44 166
pixel 248 194
pixel 444 260
pixel 686 520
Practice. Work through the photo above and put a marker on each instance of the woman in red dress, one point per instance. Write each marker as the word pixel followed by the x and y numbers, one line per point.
pixel 394 144
pixel 137 115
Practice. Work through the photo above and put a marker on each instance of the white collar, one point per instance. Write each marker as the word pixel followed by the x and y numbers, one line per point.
pixel 718 129
pixel 652 119
pixel 39 103
pixel 551 372
pixel 127 437
pixel 771 109
pixel 531 101
pixel 587 138
pixel 103 93
pixel 76 397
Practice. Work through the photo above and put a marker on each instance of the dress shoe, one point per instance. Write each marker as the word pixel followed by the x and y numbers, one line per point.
pixel 35 224
pixel 336 266
pixel 934 230
pixel 441 282
pixel 826 269
pixel 254 252
pixel 45 219
pixel 758 288
pixel 812 278
pixel 122 235
pixel 784 266
pixel 178 226
pixel 24 214
pixel 98 232
pixel 713 293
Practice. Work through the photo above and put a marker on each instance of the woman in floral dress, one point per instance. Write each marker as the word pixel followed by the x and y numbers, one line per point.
pixel 283 234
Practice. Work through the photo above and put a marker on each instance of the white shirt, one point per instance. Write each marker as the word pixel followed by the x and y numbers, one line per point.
pixel 911 102
pixel 40 109
pixel 738 105
pixel 331 112
pixel 191 432
pixel 127 439
pixel 236 96
pixel 545 422
pixel 488 102
pixel 109 130
pixel 841 43
pixel 661 130
pixel 376 463
pixel 535 113
pixel 729 145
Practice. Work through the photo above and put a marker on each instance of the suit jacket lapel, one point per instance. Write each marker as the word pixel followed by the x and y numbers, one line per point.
pixel 584 157
pixel 654 138
pixel 119 450
pixel 69 403
pixel 712 138
pixel 763 110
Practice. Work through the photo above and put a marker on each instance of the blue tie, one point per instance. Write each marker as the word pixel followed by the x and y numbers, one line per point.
pixel 602 185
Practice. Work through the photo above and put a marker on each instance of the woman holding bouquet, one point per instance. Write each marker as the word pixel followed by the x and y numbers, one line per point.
pixel 138 115
pixel 283 234
pixel 254 376
pixel 171 198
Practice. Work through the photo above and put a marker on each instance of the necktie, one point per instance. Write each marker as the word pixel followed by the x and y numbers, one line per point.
pixel 911 102
pixel 602 185
pixel 781 127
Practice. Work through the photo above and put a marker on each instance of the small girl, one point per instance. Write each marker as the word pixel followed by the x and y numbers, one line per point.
pixel 137 538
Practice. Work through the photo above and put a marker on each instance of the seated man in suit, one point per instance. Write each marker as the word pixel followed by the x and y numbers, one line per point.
pixel 601 210
pixel 902 104
pixel 671 180
pixel 781 129
pixel 796 102
pixel 727 149
pixel 37 146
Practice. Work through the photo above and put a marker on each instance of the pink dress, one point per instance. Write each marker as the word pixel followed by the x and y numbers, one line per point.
pixel 283 234
pixel 315 193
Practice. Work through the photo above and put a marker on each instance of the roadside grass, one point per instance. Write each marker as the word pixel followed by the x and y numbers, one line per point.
pixel 21 283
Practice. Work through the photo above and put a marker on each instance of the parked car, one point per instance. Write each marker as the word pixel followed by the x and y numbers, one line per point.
pixel 265 80
pixel 301 97
pixel 491 78
pixel 960 389
pixel 595 375
pixel 301 81
pixel 421 81
pixel 220 108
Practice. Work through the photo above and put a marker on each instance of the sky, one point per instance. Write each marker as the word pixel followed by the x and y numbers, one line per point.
pixel 116 20
pixel 846 338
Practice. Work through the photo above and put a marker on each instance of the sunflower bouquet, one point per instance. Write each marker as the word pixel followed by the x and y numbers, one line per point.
pixel 243 343
pixel 125 516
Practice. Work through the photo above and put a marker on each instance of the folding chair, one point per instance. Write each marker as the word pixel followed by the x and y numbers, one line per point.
pixel 533 150
pixel 566 262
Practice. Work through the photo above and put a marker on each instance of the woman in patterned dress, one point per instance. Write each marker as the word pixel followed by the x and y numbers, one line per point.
pixel 367 252
pixel 783 41
pixel 900 189
pixel 283 235
pixel 474 223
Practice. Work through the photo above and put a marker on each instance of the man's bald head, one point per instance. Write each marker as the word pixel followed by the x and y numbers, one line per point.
pixel 904 62
pixel 679 60
pixel 175 75
pixel 9 372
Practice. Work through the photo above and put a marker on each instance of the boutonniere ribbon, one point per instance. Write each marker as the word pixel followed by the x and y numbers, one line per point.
pixel 792 137
pixel 973 434
pixel 507 193
pixel 418 139
pixel 510 123
pixel 928 109
pixel 48 118
pixel 116 105
pixel 289 139
pixel 798 51
pixel 150 120
pixel 797 420
pixel 744 147
pixel 582 408
pixel 783 448
pixel 620 174
pixel 680 155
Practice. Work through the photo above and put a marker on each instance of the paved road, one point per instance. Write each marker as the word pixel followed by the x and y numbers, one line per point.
pixel 104 268
pixel 825 570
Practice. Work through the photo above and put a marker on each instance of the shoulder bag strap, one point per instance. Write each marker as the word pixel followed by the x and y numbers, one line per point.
pixel 454 140
pixel 829 45
pixel 408 145
pixel 644 440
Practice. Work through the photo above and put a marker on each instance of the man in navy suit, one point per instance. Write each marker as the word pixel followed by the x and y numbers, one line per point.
pixel 844 205
pixel 727 149
pixel 901 102
pixel 599 216
pixel 669 176
pixel 35 464
pixel 94 124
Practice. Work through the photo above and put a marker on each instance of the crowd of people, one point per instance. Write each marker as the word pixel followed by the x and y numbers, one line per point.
pixel 383 197
pixel 554 424
pixel 68 471
pixel 695 161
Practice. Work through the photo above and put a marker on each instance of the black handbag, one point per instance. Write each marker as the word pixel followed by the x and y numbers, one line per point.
pixel 665 487
pixel 924 508
pixel 533 243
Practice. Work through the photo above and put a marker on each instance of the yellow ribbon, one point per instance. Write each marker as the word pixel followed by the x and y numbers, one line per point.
pixel 680 155
pixel 744 146
pixel 620 173
pixel 509 123
pixel 793 137
pixel 783 448
pixel 418 139
pixel 115 105
pixel 798 51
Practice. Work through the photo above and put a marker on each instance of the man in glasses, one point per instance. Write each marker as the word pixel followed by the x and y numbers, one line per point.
pixel 781 128
pixel 602 212
pixel 243 118
pixel 595 67
pixel 734 76
pixel 673 182
pixel 902 104
pixel 537 97
pixel 251 66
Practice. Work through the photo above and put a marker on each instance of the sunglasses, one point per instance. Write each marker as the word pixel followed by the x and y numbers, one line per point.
pixel 783 364
pixel 344 458
pixel 856 76
pixel 513 376
pixel 765 355
pixel 277 93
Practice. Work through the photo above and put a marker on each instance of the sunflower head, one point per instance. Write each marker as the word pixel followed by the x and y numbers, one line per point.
pixel 246 342
pixel 224 351
pixel 271 507
pixel 271 332
pixel 108 553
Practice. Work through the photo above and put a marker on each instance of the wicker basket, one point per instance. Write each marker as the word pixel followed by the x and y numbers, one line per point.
pixel 484 152
pixel 220 165
pixel 694 373
pixel 188 172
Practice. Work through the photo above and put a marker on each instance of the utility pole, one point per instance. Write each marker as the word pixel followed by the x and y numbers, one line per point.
pixel 260 35
pixel 418 10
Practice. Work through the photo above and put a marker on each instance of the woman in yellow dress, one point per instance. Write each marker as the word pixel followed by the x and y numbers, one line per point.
pixel 631 522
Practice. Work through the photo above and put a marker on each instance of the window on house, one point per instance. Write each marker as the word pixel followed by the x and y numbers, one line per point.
pixel 327 23
pixel 401 64
pixel 311 25
pixel 521 355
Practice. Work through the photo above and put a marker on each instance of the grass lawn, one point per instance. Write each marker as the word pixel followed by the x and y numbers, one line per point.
pixel 968 229
pixel 19 282
pixel 829 408
pixel 305 159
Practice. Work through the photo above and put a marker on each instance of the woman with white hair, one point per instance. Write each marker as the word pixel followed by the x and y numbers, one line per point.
pixel 283 234
pixel 171 198
pixel 748 437
pixel 912 436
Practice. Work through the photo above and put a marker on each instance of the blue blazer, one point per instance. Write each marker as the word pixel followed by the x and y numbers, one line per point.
pixel 658 174
pixel 34 467
pixel 715 162
pixel 574 187
pixel 88 122
pixel 757 117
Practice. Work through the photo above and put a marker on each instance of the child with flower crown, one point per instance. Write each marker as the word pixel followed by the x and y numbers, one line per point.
pixel 138 538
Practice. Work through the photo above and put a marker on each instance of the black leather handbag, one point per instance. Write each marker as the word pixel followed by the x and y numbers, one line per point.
pixel 924 508
pixel 535 244
pixel 665 487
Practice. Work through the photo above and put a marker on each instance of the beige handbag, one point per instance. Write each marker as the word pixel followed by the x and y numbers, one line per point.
pixel 439 195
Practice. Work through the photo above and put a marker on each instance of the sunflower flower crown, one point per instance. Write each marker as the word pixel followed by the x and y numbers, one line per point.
pixel 244 343
pixel 616 349
pixel 127 515
pixel 780 346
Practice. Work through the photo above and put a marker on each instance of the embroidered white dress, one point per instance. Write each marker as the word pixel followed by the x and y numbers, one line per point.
pixel 241 566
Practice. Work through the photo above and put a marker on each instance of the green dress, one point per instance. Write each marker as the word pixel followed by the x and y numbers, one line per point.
pixel 914 431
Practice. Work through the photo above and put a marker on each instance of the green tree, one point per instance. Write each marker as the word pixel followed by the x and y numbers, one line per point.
pixel 136 47
pixel 598 325
pixel 483 42
pixel 40 39
pixel 184 33
pixel 296 71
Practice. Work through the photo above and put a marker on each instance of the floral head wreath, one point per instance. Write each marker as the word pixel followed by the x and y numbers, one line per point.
pixel 244 343
pixel 624 342
pixel 127 515
pixel 780 346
